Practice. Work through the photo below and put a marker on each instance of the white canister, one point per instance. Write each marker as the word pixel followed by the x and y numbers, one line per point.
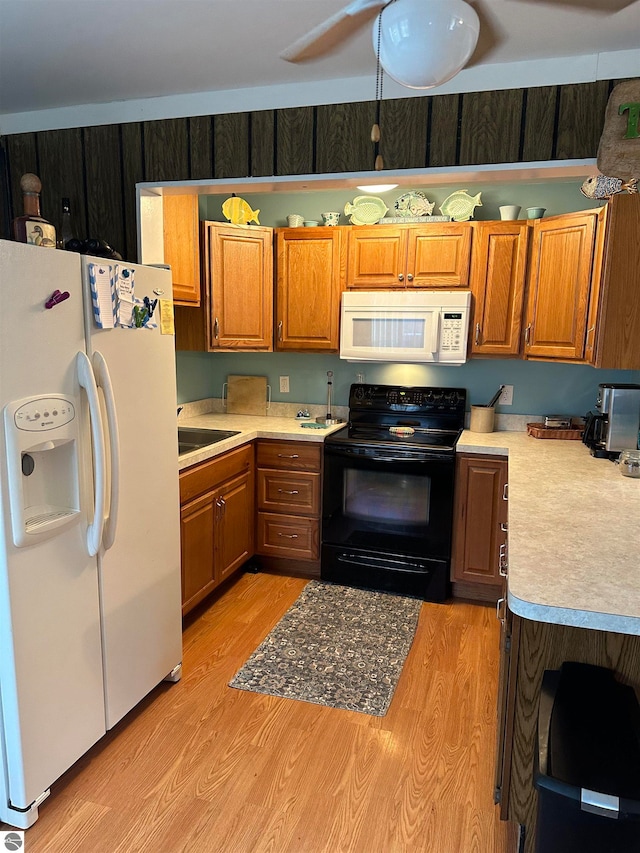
pixel 294 220
pixel 509 211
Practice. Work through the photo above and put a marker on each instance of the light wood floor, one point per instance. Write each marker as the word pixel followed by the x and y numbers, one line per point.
pixel 199 766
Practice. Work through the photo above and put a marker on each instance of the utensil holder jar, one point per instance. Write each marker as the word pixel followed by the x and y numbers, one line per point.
pixel 482 418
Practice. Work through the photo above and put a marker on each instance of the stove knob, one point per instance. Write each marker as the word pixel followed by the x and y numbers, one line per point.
pixel 358 392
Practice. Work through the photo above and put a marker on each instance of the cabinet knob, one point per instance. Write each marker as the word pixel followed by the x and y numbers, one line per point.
pixel 410 277
pixel 401 277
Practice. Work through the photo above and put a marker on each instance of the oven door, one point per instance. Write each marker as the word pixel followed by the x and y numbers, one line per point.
pixel 387 518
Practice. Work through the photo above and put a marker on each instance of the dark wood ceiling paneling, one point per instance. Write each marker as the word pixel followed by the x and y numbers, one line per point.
pixel 517 125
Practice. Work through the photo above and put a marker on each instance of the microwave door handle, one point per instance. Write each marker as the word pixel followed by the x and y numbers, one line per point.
pixel 435 332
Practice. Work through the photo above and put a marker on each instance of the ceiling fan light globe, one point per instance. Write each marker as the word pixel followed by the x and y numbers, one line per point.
pixel 424 43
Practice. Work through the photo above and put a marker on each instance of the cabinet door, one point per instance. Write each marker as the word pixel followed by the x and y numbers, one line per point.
pixel 234 525
pixel 507 686
pixel 241 281
pixel 439 255
pixel 499 259
pixel 197 525
pixel 480 511
pixel 182 246
pixel 376 257
pixel 560 278
pixel 310 279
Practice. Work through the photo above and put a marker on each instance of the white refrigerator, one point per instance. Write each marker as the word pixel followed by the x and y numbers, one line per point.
pixel 90 611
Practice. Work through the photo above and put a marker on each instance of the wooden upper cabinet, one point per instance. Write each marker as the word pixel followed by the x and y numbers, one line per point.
pixel 498 274
pixel 240 279
pixel 560 277
pixel 376 257
pixel 309 280
pixel 613 327
pixel 182 247
pixel 439 255
pixel 388 256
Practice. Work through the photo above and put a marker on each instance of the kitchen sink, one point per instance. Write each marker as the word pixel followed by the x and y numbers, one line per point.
pixel 192 438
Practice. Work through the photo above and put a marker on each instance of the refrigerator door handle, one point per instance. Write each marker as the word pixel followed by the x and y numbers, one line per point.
pixel 87 381
pixel 103 380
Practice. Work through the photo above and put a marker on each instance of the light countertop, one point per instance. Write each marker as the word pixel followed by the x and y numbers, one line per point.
pixel 574 533
pixel 574 521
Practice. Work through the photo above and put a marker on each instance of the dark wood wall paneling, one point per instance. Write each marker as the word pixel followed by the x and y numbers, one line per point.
pixel 98 167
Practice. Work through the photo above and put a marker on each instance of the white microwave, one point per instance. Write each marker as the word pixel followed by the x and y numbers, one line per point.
pixel 406 326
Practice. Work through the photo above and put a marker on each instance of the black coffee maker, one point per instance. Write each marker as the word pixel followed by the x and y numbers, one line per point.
pixel 615 423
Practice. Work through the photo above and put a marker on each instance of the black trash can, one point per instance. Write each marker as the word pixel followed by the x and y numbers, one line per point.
pixel 587 768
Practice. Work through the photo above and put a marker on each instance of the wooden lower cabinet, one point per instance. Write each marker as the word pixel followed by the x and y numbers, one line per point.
pixel 216 522
pixel 534 648
pixel 479 526
pixel 288 479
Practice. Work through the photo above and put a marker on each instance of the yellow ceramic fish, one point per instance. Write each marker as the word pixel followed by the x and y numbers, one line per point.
pixel 239 212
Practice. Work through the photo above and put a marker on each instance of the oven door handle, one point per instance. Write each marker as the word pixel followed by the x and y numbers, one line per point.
pixel 391 459
pixel 394 565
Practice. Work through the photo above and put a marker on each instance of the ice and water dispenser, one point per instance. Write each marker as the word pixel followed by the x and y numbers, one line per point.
pixel 42 461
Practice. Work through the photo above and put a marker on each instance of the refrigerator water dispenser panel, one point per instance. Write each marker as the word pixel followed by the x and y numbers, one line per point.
pixel 42 462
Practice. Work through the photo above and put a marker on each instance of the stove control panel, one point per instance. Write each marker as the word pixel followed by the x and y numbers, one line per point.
pixel 391 398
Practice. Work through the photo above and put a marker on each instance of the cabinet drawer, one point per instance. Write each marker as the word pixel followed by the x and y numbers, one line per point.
pixel 295 493
pixel 289 455
pixel 199 479
pixel 282 536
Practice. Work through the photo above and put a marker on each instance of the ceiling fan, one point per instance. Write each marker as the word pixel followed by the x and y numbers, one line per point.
pixel 420 43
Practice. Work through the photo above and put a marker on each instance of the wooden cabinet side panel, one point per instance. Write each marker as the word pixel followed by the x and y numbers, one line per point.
pixel 545 646
pixel 181 246
pixel 618 324
pixel 498 269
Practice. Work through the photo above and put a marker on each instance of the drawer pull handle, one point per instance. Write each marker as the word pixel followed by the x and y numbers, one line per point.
pixel 288 456
pixel 288 491
pixel 504 527
pixel 216 328
pixel 527 334
pixel 505 492
pixel 477 334
pixel 502 562
pixel 288 535
pixel 500 609
pixel 280 330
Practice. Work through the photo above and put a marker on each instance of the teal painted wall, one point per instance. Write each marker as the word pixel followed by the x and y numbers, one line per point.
pixel 556 197
pixel 539 388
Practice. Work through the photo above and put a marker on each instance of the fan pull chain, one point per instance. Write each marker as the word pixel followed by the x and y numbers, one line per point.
pixel 375 130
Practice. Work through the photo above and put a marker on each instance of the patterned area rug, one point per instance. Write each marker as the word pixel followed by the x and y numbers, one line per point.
pixel 335 646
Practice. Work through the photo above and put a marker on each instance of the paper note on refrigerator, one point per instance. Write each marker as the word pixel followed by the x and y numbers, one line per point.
pixel 103 295
pixel 125 278
pixel 166 317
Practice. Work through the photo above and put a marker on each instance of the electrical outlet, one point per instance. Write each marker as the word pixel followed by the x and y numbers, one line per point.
pixel 284 384
pixel 506 398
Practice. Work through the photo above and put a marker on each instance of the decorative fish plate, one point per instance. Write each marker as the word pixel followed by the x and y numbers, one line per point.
pixel 365 210
pixel 460 205
pixel 414 204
